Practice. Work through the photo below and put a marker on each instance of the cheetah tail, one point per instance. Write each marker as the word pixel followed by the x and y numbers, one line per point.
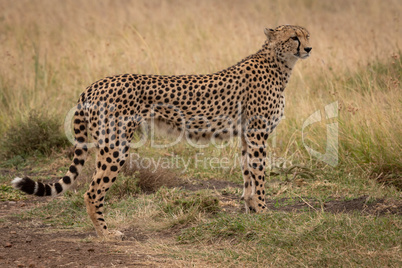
pixel 29 186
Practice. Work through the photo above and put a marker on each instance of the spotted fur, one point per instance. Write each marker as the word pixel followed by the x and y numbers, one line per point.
pixel 244 100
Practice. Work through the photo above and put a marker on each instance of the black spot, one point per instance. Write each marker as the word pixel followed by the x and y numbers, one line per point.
pixel 78 152
pixel 58 187
pixel 113 168
pixel 80 139
pixel 41 189
pixel 48 190
pixel 73 169
pixel 66 180
pixel 105 179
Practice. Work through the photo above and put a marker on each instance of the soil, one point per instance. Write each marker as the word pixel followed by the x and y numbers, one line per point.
pixel 33 244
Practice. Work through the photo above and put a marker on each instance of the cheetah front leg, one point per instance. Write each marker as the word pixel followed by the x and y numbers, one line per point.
pixel 254 174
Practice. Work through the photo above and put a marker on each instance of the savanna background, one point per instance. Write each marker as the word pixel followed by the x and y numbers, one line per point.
pixel 344 214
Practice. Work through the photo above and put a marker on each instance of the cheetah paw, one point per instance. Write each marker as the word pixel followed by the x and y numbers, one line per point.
pixel 114 236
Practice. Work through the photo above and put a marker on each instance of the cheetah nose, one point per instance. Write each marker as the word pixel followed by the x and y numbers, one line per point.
pixel 308 49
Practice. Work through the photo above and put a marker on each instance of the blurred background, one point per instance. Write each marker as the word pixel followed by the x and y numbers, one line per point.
pixel 51 50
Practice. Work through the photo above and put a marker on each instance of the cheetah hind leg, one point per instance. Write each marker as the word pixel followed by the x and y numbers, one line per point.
pixel 108 166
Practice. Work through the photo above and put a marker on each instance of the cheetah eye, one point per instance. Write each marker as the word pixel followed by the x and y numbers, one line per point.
pixel 295 38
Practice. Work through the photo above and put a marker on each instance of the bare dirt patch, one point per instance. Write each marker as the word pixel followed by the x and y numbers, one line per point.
pixel 47 247
pixel 31 244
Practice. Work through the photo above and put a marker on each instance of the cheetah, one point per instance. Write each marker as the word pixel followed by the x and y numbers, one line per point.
pixel 244 100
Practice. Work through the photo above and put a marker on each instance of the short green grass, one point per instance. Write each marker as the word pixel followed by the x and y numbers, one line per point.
pixel 7 193
pixel 301 239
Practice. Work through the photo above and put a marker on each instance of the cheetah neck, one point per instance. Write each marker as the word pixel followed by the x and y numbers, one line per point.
pixel 269 58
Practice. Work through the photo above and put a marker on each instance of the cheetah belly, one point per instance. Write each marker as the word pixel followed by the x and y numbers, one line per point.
pixel 196 127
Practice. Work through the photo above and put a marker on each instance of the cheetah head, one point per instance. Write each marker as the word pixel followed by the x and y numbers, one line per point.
pixel 289 42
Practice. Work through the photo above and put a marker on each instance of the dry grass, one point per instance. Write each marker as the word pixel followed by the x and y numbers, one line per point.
pixel 53 50
pixel 151 179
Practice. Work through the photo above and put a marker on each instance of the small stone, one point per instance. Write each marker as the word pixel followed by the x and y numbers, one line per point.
pixel 13 232
pixel 28 239
pixel 8 245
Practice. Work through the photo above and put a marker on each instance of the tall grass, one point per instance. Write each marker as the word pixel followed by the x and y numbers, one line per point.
pixel 368 117
pixel 51 50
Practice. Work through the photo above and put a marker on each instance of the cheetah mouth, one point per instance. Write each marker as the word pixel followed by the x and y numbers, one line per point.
pixel 304 56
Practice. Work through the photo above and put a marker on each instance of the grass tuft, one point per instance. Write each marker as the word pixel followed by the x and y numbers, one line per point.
pixel 150 180
pixel 39 133
pixel 7 193
pixel 182 207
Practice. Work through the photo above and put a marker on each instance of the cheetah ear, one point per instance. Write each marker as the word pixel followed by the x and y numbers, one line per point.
pixel 269 33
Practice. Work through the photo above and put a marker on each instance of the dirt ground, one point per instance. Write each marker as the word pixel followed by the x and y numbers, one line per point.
pixel 34 244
